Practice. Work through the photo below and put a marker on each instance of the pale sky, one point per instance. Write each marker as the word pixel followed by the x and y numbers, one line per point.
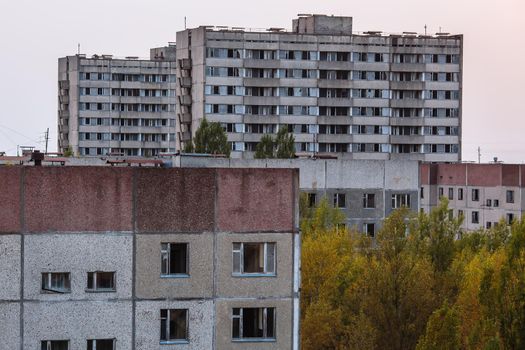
pixel 34 34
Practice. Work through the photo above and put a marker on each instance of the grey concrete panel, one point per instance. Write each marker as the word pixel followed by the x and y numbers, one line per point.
pixel 77 254
pixel 10 326
pixel 10 267
pixel 77 321
pixel 355 174
pixel 279 285
pixel 283 325
pixel 200 324
pixel 401 175
pixel 149 283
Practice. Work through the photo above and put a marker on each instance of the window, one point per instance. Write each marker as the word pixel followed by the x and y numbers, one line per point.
pixel 510 218
pixel 450 193
pixel 339 200
pixel 510 196
pixel 489 203
pixel 369 229
pixel 475 195
pixel 101 281
pixel 254 258
pixel 475 217
pixel 174 259
pixel 173 325
pixel 488 224
pixel 440 192
pixel 56 282
pixel 496 202
pixel 460 194
pixel 451 214
pixel 55 345
pixel 369 200
pixel 101 344
pixel 400 200
pixel 253 323
pixel 422 193
pixel 311 198
pixel 460 214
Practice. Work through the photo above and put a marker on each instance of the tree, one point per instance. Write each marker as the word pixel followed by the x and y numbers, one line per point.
pixel 68 152
pixel 442 332
pixel 265 147
pixel 210 138
pixel 284 143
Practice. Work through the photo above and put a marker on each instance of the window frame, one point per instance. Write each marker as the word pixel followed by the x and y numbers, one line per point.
pixel 337 200
pixel 94 343
pixel 475 217
pixel 240 253
pixel 475 194
pixel 47 281
pixel 185 340
pixel 167 252
pixel 95 288
pixel 47 344
pixel 396 203
pixel 367 200
pixel 460 194
pixel 265 337
pixel 509 196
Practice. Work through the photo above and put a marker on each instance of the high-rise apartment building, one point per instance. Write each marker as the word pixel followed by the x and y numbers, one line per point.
pixel 363 96
pixel 120 106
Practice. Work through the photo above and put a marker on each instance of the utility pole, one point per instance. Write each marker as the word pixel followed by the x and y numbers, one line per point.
pixel 47 139
pixel 425 29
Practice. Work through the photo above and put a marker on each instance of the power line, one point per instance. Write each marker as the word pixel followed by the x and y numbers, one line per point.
pixel 27 137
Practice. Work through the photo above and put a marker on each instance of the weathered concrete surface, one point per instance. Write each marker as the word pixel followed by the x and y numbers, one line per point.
pixel 10 255
pixel 10 199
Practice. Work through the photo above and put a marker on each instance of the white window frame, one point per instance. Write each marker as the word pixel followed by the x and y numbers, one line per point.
pixel 167 252
pixel 175 341
pixel 95 282
pixel 400 200
pixel 265 336
pixel 94 343
pixel 47 279
pixel 48 343
pixel 238 254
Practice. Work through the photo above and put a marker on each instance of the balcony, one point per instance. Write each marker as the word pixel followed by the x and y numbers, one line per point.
pixel 185 82
pixel 185 100
pixel 185 63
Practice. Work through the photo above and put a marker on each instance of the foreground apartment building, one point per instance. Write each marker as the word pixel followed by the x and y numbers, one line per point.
pixel 482 194
pixel 120 106
pixel 370 95
pixel 120 258
pixel 364 96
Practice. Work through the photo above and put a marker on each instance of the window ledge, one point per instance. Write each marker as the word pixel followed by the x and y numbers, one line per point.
pixel 174 342
pixel 254 340
pixel 249 275
pixel 100 290
pixel 175 276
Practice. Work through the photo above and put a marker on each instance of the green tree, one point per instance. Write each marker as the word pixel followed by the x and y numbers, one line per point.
pixel 210 138
pixel 265 147
pixel 68 152
pixel 284 143
pixel 442 331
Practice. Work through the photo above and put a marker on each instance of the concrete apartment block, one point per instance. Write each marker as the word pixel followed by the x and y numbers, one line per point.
pixel 117 105
pixel 370 95
pixel 482 193
pixel 382 180
pixel 147 258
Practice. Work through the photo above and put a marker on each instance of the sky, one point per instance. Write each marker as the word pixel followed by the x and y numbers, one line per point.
pixel 34 34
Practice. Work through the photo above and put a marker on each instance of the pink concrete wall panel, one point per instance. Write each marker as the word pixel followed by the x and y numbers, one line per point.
pixel 10 199
pixel 484 175
pixel 510 175
pixel 451 174
pixel 78 199
pixel 255 199
pixel 424 173
pixel 175 200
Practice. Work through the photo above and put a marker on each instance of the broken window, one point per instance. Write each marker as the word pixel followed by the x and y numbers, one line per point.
pixel 101 344
pixel 253 258
pixel 339 200
pixel 369 200
pixel 311 198
pixel 475 217
pixel 56 282
pixel 174 259
pixel 369 229
pixel 510 218
pixel 253 323
pixel 55 345
pixel 400 200
pixel 510 196
pixel 460 194
pixel 101 281
pixel 450 193
pixel 173 325
pixel 475 194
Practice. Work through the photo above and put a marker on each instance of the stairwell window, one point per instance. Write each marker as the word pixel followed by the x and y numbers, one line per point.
pixel 56 282
pixel 253 324
pixel 254 259
pixel 173 326
pixel 174 260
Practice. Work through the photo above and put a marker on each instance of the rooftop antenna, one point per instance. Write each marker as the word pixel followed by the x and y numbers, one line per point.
pixel 440 30
pixel 47 139
pixel 79 48
pixel 425 29
pixel 184 22
pixel 479 154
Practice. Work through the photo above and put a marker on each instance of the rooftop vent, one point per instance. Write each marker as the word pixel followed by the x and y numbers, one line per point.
pixel 442 34
pixel 107 57
pixel 132 57
pixel 304 15
pixel 275 30
pixel 373 32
